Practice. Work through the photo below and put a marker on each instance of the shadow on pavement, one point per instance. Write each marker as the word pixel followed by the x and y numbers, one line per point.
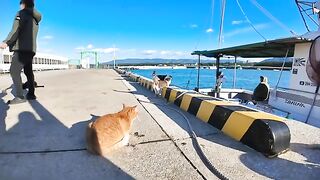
pixel 3 113
pixel 279 168
pixel 39 146
pixel 276 168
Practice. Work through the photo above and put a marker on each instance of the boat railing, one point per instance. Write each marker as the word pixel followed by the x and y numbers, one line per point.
pixel 295 90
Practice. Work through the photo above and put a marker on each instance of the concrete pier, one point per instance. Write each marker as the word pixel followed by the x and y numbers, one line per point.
pixel 44 139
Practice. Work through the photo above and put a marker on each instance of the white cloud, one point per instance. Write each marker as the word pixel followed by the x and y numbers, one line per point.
pixel 171 53
pixel 194 26
pixel 238 22
pixel 80 48
pixel 149 52
pixel 131 50
pixel 165 52
pixel 107 50
pixel 210 30
pixel 47 37
pixel 179 53
pixel 107 53
pixel 245 30
pixel 90 47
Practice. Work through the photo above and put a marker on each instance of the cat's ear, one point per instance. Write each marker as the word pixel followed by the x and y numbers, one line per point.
pixel 135 108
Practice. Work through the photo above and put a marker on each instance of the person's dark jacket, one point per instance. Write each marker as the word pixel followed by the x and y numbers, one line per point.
pixel 23 36
pixel 261 92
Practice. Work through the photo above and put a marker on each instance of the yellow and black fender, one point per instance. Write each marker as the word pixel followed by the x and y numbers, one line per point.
pixel 264 132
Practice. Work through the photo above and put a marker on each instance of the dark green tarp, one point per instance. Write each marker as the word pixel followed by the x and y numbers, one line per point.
pixel 273 48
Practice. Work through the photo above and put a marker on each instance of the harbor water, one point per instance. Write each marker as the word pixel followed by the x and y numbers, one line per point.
pixel 245 78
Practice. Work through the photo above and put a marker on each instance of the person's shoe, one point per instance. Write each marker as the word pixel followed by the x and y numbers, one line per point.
pixel 17 100
pixel 31 97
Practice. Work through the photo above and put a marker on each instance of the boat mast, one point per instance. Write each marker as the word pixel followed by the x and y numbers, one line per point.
pixel 223 8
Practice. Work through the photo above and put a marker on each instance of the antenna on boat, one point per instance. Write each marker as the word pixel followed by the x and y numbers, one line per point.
pixel 306 9
pixel 199 56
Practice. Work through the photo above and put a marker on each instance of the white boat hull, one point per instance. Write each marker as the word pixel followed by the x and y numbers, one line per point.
pixel 299 106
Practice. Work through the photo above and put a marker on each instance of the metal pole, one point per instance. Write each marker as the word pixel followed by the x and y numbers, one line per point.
pixel 96 59
pixel 312 105
pixel 282 68
pixel 199 66
pixel 217 73
pixel 223 9
pixel 114 57
pixel 218 66
pixel 80 62
pixel 235 72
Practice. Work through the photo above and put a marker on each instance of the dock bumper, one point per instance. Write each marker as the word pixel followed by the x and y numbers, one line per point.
pixel 264 132
pixel 261 131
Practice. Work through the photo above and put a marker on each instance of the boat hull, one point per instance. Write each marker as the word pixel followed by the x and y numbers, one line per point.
pixel 299 106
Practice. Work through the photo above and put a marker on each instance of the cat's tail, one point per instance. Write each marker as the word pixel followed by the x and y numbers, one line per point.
pixel 92 140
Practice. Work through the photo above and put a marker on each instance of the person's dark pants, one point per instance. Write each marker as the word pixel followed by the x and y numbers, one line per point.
pixel 28 71
pixel 22 60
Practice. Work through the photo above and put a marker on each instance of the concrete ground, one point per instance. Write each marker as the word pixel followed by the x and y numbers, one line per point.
pixel 44 139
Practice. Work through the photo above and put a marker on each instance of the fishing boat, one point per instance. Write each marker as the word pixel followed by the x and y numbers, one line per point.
pixel 301 100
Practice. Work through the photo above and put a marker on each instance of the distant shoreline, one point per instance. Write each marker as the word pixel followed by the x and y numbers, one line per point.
pixel 152 67
pixel 203 67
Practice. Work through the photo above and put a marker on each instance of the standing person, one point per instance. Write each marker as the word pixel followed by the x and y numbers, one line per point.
pixel 22 41
pixel 154 74
pixel 220 81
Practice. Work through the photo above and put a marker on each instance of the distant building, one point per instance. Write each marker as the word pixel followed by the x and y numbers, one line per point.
pixel 40 62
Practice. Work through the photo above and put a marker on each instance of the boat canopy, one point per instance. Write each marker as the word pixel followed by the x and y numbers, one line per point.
pixel 273 48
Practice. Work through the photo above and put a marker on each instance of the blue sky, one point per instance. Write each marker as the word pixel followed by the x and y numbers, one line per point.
pixel 149 28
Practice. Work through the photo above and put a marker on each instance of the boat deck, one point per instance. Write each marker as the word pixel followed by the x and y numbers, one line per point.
pixel 44 139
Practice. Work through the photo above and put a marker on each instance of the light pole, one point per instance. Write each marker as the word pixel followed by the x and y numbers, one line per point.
pixel 114 57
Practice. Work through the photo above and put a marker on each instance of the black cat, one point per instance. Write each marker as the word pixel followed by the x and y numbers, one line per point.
pixel 25 85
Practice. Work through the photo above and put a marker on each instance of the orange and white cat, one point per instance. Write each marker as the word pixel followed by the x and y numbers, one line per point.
pixel 111 131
